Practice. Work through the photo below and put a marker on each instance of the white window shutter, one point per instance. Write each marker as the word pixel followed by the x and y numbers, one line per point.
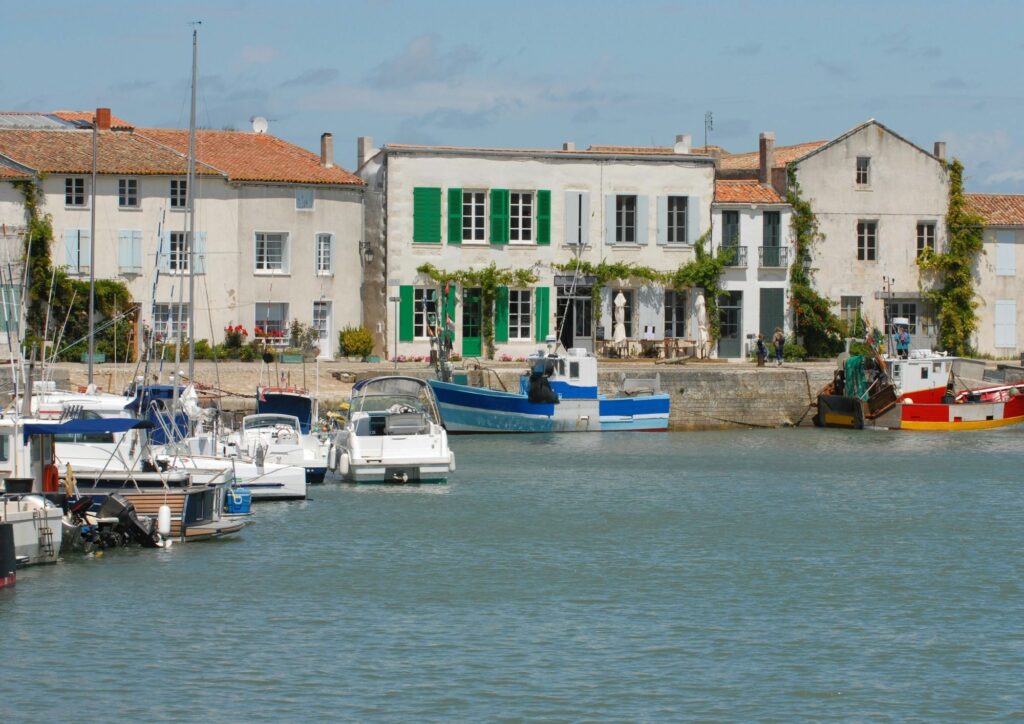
pixel 124 251
pixel 286 253
pixel 572 217
pixel 642 220
pixel 609 219
pixel 163 261
pixel 692 219
pixel 661 222
pixel 84 252
pixel 137 250
pixel 71 248
pixel 1006 259
pixel 585 218
pixel 200 252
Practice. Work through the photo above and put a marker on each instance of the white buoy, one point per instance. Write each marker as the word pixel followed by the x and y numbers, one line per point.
pixel 343 463
pixel 163 521
pixel 451 461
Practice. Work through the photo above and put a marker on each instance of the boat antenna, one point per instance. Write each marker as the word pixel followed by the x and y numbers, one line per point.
pixel 191 200
pixel 92 249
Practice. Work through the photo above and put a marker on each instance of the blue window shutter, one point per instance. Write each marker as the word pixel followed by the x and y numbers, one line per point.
pixel 124 251
pixel 692 219
pixel 642 221
pixel 662 221
pixel 137 250
pixel 163 262
pixel 572 217
pixel 200 252
pixel 84 256
pixel 71 248
pixel 609 219
pixel 585 218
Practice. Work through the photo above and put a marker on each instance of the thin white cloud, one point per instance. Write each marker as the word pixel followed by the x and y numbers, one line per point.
pixel 258 54
pixel 423 62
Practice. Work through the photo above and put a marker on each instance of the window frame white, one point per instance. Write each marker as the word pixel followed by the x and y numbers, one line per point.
pixel 166 321
pixel 75 196
pixel 284 328
pixel 676 219
pixel 324 240
pixel 623 216
pixel 264 268
pixel 177 252
pixel 179 194
pixel 866 251
pixel 673 318
pixel 420 315
pixel 522 205
pixel 520 315
pixel 925 240
pixel 127 193
pixel 474 226
pixel 862 177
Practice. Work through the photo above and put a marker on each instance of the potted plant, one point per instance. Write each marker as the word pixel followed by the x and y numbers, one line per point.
pixel 356 343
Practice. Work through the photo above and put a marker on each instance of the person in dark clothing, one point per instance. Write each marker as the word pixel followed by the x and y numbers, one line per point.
pixel 762 350
pixel 779 340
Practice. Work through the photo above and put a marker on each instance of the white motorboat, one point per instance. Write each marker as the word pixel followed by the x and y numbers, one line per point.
pixel 393 435
pixel 277 439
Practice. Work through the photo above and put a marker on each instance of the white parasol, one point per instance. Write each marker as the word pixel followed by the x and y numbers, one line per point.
pixel 619 334
pixel 702 325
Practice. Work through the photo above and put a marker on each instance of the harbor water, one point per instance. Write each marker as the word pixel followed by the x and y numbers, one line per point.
pixel 756 575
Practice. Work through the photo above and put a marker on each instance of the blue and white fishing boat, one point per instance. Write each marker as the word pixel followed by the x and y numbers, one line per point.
pixel 559 394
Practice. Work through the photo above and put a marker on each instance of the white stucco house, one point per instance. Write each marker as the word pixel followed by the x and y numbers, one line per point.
pixel 277 228
pixel 879 200
pixel 467 208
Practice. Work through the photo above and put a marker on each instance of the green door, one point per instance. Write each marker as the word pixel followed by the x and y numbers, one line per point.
pixel 472 318
pixel 730 314
pixel 772 313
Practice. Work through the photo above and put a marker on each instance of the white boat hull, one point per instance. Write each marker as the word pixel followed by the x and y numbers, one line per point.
pixel 38 528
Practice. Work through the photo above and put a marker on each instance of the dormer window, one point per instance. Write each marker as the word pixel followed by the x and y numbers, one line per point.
pixel 863 171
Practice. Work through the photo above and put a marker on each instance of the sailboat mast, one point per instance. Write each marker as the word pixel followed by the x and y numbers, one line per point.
pixel 92 250
pixel 190 191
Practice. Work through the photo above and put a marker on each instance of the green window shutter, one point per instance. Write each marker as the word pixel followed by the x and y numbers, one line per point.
pixel 542 296
pixel 501 315
pixel 426 215
pixel 454 216
pixel 405 311
pixel 499 216
pixel 543 217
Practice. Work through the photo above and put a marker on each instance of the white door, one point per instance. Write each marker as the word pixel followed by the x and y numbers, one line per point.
pixel 323 323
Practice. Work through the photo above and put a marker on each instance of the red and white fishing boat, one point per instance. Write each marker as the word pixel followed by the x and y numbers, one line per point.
pixel 977 409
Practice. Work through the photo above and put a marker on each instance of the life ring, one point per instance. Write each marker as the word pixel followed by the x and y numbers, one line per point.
pixel 51 478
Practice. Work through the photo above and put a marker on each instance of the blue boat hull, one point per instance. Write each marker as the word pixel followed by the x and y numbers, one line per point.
pixel 466 409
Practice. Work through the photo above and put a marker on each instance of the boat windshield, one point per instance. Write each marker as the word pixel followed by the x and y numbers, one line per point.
pixel 257 422
pixel 392 394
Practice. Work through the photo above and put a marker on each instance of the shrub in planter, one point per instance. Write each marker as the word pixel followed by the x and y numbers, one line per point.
pixel 356 342
pixel 793 352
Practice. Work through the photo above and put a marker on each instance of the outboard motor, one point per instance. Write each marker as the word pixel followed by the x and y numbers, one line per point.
pixel 142 530
pixel 539 390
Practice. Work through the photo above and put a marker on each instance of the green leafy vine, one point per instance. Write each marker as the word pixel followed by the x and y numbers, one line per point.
pixel 955 302
pixel 705 271
pixel 604 272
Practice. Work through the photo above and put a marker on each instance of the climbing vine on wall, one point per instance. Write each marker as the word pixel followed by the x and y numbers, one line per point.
pixel 705 271
pixel 954 301
pixel 488 280
pixel 605 272
pixel 819 326
pixel 58 304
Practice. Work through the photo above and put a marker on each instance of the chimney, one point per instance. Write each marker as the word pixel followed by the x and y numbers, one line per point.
pixel 327 150
pixel 940 150
pixel 364 149
pixel 102 119
pixel 683 142
pixel 568 146
pixel 766 147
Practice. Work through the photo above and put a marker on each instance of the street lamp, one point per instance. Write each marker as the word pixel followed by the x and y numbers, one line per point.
pixel 394 352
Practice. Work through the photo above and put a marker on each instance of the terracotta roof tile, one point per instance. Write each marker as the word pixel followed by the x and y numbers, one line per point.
pixel 998 209
pixel 782 156
pixel 7 173
pixel 70 151
pixel 116 124
pixel 248 156
pixel 745 192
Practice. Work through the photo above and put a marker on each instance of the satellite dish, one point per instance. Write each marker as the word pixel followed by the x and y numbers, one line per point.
pixel 259 124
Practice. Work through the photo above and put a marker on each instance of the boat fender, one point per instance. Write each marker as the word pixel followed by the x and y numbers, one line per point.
pixel 51 479
pixel 343 463
pixel 332 462
pixel 451 461
pixel 163 525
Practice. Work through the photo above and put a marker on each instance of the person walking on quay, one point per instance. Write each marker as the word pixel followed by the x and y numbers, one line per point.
pixel 779 340
pixel 762 350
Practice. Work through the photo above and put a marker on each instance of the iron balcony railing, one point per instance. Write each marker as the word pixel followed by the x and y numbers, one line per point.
pixel 739 255
pixel 772 257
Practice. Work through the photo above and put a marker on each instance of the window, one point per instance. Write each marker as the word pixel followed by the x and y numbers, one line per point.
pixel 519 313
pixel 627 309
pixel 925 237
pixel 168 319
pixel 577 217
pixel 520 216
pixel 867 241
pixel 77 254
pixel 902 309
pixel 863 171
pixel 473 216
pixel 850 314
pixel 324 254
pixel 177 252
pixel 677 219
pixel 625 219
pixel 179 193
pixel 271 253
pixel 303 198
pixel 272 323
pixel 730 228
pixel 322 322
pixel 128 193
pixel 675 314
pixel 424 312
pixel 74 191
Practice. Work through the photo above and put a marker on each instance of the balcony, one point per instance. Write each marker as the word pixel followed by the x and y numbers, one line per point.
pixel 739 256
pixel 772 257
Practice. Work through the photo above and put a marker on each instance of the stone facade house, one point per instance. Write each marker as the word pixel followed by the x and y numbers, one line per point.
pixel 1000 294
pixel 277 228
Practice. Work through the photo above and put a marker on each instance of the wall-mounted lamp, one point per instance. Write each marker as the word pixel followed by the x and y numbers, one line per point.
pixel 366 249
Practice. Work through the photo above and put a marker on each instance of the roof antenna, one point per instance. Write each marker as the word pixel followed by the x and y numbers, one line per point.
pixel 709 125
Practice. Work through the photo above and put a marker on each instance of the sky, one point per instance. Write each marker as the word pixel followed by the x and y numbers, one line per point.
pixel 534 74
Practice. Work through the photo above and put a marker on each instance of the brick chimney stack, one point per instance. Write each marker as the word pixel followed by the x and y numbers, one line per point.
pixel 766 149
pixel 102 119
pixel 327 150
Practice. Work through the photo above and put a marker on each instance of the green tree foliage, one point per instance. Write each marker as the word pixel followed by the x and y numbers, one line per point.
pixel 954 301
pixel 705 271
pixel 820 328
